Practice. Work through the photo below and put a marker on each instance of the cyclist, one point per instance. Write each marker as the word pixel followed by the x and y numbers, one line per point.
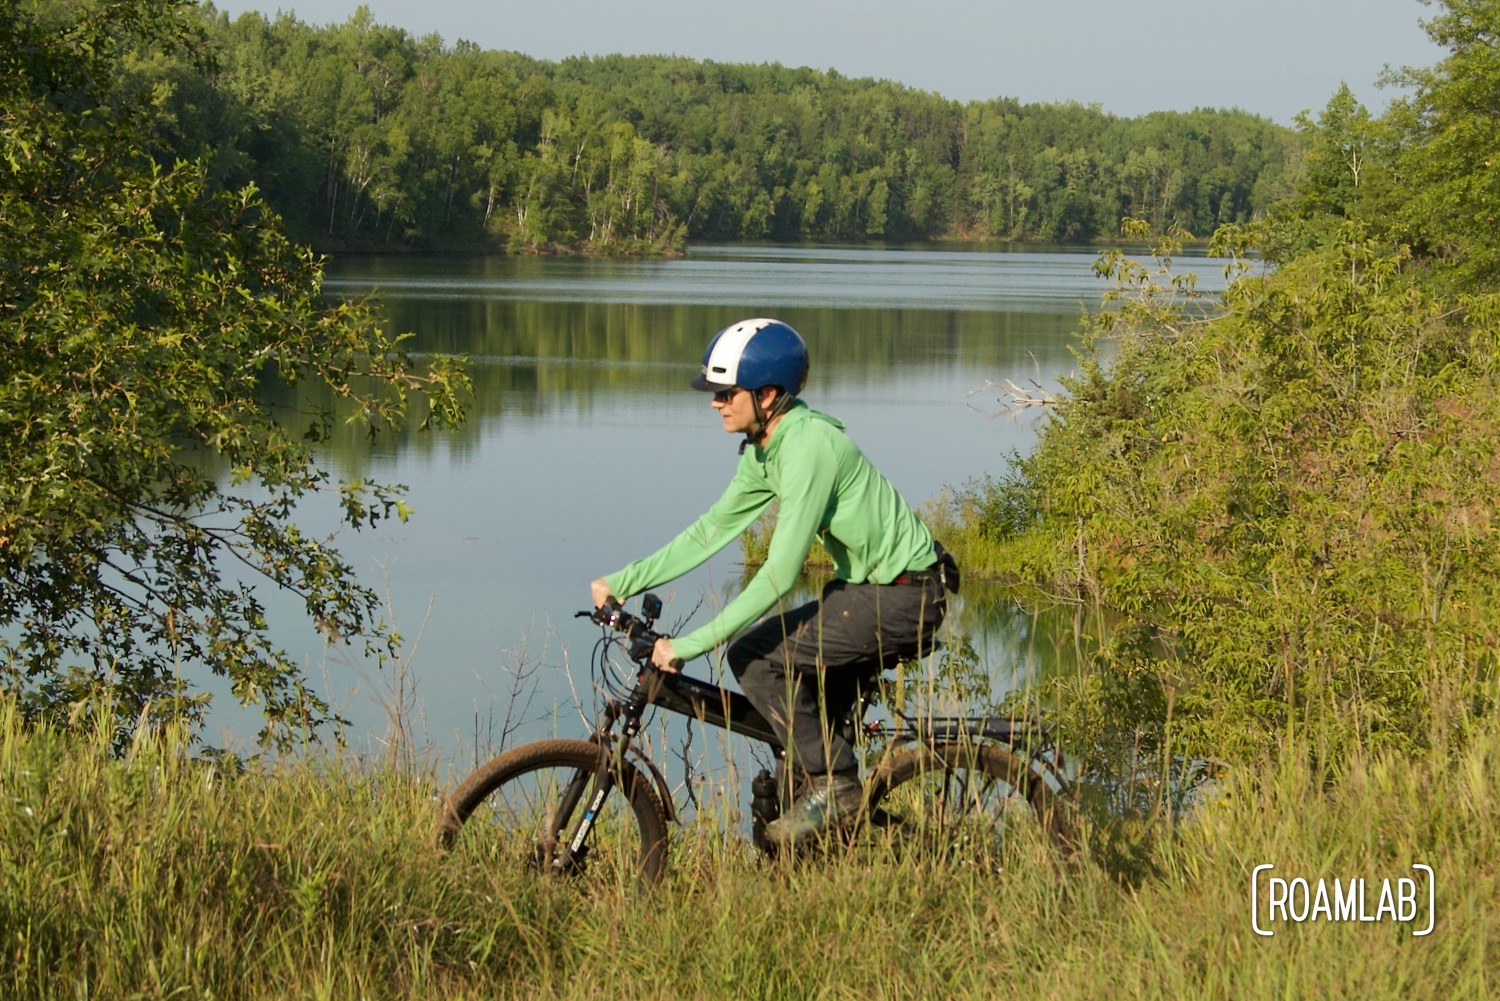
pixel 891 578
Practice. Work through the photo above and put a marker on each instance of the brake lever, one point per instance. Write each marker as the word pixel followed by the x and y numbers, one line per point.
pixel 599 616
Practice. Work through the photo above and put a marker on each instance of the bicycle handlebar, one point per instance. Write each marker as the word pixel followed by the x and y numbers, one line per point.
pixel 638 631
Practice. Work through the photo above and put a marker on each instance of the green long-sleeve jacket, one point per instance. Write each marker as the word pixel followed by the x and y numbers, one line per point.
pixel 828 490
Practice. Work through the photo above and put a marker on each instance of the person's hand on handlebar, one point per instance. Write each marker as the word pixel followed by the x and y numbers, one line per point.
pixel 600 591
pixel 664 657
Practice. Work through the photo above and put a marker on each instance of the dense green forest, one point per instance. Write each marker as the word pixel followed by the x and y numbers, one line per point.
pixel 363 136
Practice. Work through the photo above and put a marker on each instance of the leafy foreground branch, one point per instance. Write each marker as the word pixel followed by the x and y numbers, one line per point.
pixel 157 875
pixel 143 311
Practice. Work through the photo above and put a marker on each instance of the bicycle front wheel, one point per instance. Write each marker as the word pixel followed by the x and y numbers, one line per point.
pixel 971 803
pixel 525 807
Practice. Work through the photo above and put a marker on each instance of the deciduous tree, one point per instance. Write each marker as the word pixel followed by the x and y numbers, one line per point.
pixel 146 489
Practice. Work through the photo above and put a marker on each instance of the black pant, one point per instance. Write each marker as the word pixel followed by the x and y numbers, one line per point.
pixel 803 668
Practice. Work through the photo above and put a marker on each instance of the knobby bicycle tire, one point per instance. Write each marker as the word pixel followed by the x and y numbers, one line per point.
pixel 525 803
pixel 965 800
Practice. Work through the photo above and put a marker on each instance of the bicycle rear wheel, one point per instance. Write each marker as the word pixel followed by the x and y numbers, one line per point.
pixel 524 808
pixel 971 803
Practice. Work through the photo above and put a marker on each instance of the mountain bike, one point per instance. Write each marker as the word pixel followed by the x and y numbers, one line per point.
pixel 963 787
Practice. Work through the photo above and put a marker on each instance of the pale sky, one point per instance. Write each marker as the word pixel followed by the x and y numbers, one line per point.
pixel 1271 57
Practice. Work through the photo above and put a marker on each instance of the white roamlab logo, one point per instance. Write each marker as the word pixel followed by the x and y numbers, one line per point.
pixel 1278 900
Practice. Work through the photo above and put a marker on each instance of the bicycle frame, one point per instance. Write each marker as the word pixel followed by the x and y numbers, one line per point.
pixel 1019 753
pixel 714 705
pixel 686 696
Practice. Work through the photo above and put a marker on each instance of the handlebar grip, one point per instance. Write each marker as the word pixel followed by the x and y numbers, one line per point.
pixel 605 615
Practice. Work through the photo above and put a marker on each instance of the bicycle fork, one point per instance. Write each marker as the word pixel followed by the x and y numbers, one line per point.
pixel 612 759
pixel 577 846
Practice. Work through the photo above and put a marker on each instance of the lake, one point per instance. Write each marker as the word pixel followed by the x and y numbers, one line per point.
pixel 585 448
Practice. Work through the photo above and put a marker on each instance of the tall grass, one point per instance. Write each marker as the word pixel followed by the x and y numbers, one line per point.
pixel 153 874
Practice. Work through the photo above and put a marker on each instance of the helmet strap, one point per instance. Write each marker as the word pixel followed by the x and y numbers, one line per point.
pixel 757 434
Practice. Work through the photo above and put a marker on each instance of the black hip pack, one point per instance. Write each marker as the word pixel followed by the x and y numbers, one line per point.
pixel 947 569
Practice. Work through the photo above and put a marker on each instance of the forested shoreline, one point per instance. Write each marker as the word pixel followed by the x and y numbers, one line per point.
pixel 365 137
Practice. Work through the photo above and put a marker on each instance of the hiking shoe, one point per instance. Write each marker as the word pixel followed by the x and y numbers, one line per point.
pixel 827 804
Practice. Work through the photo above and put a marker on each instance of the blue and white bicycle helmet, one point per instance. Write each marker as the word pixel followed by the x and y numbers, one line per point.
pixel 752 354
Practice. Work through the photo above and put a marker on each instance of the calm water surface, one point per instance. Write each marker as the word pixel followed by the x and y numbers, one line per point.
pixel 585 448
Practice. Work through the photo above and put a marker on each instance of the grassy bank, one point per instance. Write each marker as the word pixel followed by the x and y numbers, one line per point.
pixel 156 875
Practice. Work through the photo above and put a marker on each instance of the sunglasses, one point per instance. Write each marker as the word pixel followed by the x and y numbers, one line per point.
pixel 725 395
